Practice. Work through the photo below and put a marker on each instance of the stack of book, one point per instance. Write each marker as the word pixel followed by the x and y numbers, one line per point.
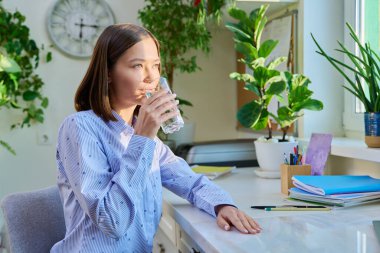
pixel 341 191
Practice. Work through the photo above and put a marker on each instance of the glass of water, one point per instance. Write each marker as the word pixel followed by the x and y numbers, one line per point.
pixel 174 124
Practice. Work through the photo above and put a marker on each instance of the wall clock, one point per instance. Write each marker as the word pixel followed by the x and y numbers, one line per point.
pixel 75 25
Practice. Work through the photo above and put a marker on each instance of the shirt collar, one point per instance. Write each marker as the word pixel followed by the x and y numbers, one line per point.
pixel 120 124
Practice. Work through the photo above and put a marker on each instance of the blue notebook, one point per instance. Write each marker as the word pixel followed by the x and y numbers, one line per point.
pixel 327 185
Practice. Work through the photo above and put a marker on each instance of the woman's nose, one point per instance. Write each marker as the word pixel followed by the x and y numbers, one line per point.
pixel 151 77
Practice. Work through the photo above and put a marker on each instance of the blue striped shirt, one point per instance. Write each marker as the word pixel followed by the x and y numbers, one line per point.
pixel 110 183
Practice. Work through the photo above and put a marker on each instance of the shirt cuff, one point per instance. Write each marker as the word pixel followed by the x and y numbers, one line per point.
pixel 222 205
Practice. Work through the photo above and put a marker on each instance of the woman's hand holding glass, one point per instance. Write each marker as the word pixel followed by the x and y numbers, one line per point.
pixel 155 110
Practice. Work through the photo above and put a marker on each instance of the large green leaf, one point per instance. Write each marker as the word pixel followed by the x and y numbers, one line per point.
pixel 284 112
pixel 259 31
pixel 238 14
pixel 247 50
pixel 260 22
pixel 262 123
pixel 300 80
pixel 263 75
pixel 276 62
pixel 240 34
pixel 267 47
pixel 252 87
pixel 299 94
pixel 286 116
pixel 276 88
pixel 312 104
pixel 260 74
pixel 254 14
pixel 249 114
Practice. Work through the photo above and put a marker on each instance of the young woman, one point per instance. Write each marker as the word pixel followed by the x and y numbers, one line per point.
pixel 111 165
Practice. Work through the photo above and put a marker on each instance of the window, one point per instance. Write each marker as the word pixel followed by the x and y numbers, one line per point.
pixel 363 15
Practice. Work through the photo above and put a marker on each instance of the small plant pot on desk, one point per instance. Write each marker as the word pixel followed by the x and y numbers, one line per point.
pixel 270 156
pixel 288 171
pixel 372 129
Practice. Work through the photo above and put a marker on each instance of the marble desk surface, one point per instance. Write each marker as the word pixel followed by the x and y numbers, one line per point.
pixel 340 230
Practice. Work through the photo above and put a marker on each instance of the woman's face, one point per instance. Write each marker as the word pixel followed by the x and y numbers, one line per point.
pixel 135 73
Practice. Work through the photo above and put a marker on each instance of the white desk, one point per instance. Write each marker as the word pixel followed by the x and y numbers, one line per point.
pixel 333 231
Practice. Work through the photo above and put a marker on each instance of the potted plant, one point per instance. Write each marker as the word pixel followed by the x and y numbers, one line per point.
pixel 267 83
pixel 184 32
pixel 364 84
pixel 20 86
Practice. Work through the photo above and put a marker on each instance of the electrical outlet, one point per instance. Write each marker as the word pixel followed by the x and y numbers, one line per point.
pixel 44 138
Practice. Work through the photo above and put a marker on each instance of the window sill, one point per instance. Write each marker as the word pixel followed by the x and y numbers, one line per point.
pixel 351 148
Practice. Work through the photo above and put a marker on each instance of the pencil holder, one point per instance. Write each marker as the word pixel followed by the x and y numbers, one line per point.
pixel 288 171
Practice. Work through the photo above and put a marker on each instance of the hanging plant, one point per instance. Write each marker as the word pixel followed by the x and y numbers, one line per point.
pixel 20 86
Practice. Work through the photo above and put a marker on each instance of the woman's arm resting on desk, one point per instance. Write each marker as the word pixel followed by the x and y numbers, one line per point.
pixel 177 176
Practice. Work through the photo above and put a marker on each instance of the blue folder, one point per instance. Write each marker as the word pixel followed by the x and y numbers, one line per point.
pixel 327 185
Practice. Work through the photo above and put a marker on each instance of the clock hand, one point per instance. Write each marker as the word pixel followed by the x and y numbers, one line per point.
pixel 81 26
pixel 93 26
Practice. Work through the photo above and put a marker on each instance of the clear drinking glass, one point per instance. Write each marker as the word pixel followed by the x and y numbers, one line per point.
pixel 174 124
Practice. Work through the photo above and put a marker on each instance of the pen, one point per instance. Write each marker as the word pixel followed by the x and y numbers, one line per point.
pixel 286 206
pixel 297 209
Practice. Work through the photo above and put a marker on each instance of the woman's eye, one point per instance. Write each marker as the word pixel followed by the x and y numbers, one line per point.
pixel 137 66
pixel 156 65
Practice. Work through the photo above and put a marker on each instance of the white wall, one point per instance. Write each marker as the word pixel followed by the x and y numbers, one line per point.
pixel 325 19
pixel 211 90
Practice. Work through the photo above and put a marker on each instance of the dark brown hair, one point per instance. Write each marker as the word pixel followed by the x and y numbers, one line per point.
pixel 94 91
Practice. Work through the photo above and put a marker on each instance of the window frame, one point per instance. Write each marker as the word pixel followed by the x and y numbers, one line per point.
pixel 353 122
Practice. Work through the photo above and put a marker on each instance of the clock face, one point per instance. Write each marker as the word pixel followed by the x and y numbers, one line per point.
pixel 75 25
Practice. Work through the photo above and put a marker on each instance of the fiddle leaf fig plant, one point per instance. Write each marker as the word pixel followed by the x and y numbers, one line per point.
pixel 266 82
pixel 299 97
pixel 20 86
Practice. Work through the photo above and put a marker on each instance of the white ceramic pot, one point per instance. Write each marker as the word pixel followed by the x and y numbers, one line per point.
pixel 184 135
pixel 270 156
